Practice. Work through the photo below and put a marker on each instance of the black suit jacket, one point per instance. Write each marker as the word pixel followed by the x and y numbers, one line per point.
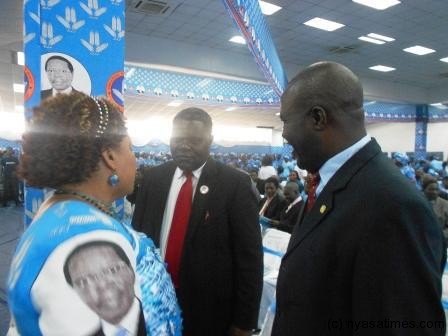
pixel 274 208
pixel 369 250
pixel 289 219
pixel 221 271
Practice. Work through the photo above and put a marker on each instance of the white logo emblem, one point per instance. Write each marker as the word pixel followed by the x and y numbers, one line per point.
pixel 115 30
pixel 69 22
pixel 92 8
pixel 94 45
pixel 47 39
pixel 47 4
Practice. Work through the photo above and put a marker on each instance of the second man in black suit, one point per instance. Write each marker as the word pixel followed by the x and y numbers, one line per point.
pixel 215 255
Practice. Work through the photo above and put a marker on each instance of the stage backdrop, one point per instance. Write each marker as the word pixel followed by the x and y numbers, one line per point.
pixel 85 41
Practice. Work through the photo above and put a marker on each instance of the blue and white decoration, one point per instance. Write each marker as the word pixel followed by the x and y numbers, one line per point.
pixel 90 34
pixel 421 131
pixel 250 20
pixel 389 112
pixel 207 90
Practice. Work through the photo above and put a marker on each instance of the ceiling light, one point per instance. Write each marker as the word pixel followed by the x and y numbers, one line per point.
pixel 381 37
pixel 378 4
pixel 19 108
pixel 419 50
pixel 323 24
pixel 175 103
pixel 382 68
pixel 277 114
pixel 19 88
pixel 440 106
pixel 371 40
pixel 268 8
pixel 230 109
pixel 20 58
pixel 238 39
pixel 445 59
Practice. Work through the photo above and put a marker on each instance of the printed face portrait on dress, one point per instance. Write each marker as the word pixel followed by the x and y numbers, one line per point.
pixel 101 274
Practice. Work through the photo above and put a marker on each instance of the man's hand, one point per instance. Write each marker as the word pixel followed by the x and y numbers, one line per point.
pixel 235 331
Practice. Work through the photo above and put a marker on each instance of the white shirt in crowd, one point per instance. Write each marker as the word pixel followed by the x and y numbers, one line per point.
pixel 266 172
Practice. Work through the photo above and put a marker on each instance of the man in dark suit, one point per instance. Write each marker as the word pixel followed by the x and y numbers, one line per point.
pixel 368 255
pixel 60 75
pixel 290 213
pixel 216 260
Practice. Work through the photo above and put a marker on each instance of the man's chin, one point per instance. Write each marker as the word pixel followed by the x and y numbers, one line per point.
pixel 186 166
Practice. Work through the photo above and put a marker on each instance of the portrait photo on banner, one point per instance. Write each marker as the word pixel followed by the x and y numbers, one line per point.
pixel 61 73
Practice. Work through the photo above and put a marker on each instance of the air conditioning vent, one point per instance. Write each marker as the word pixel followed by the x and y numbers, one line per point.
pixel 154 7
pixel 443 74
pixel 342 49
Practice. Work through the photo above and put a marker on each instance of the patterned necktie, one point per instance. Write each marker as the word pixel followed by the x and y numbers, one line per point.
pixel 178 228
pixel 314 182
pixel 122 332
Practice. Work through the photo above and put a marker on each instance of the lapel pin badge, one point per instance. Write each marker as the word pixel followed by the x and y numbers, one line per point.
pixel 203 189
pixel 323 208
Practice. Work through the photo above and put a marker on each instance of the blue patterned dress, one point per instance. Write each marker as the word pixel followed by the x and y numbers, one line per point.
pixel 43 303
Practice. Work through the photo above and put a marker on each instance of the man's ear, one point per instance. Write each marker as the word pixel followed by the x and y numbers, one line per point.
pixel 319 117
pixel 109 157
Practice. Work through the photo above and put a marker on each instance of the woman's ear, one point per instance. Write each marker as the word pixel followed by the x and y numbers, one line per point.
pixel 109 158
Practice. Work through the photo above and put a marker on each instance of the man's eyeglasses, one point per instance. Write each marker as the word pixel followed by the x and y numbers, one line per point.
pixel 105 274
pixel 58 71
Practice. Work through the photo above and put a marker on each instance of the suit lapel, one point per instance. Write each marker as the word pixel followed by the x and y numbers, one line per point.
pixel 324 203
pixel 164 179
pixel 205 186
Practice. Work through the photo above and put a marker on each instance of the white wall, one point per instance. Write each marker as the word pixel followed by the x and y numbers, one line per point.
pixel 438 138
pixel 393 137
pixel 277 138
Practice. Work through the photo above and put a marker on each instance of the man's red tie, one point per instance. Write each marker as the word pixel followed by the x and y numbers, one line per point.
pixel 178 228
pixel 314 182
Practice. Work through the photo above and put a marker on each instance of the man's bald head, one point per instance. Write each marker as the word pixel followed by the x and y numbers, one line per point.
pixel 332 86
pixel 322 111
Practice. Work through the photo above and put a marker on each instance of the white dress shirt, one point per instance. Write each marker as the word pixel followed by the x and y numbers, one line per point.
pixel 332 165
pixel 66 91
pixel 129 322
pixel 297 200
pixel 176 184
pixel 266 172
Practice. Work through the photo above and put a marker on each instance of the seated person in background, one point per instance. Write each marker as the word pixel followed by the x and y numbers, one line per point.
pixel 294 177
pixel 290 214
pixel 439 205
pixel 77 269
pixel 272 203
pixel 443 186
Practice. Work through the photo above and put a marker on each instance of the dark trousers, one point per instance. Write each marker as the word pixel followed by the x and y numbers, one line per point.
pixel 10 189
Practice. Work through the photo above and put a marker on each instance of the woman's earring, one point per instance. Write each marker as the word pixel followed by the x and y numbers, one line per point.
pixel 114 179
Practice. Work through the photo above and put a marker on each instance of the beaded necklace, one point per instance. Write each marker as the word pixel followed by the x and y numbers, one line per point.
pixel 100 205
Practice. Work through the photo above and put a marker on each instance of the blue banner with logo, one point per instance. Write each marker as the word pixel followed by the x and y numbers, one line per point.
pixel 251 21
pixel 71 46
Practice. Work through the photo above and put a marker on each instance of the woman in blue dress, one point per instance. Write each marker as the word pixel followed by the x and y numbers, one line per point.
pixel 77 270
